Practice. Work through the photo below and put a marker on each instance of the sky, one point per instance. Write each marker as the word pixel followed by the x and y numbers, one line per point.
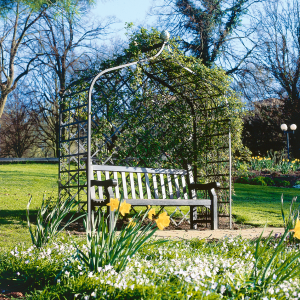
pixel 125 11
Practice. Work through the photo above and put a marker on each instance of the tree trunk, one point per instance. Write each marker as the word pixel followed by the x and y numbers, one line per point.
pixel 2 103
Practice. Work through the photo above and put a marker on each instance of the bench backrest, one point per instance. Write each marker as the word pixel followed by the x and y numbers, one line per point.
pixel 143 183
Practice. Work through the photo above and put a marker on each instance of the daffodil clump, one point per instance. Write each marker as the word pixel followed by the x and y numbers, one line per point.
pixel 162 221
pixel 259 163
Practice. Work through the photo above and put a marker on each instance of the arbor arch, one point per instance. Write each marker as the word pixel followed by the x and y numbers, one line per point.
pixel 152 107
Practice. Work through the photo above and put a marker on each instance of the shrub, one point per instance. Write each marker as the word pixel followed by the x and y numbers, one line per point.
pixel 279 182
pixel 258 181
pixel 244 180
pixel 269 181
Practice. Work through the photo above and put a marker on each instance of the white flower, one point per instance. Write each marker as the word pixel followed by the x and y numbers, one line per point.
pixel 58 281
pixel 132 286
pixel 18 273
pixel 196 288
pixel 265 298
pixel 26 261
pixel 93 294
pixel 274 277
pixel 90 274
pixel 79 267
pixel 86 297
pixel 223 289
pixel 67 273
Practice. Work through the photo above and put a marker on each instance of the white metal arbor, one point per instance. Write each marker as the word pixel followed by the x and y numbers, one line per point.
pixel 147 113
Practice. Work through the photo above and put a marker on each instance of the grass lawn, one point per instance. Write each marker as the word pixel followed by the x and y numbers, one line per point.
pixel 255 205
pixel 261 205
pixel 18 183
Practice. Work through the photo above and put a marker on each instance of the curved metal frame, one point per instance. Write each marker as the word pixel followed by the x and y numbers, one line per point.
pixel 90 119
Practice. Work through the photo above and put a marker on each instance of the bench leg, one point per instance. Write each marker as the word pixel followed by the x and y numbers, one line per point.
pixel 213 209
pixel 193 217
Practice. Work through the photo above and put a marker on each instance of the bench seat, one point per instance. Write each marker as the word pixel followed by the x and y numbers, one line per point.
pixel 154 187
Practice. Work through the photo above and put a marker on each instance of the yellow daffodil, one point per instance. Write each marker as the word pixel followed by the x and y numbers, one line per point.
pixel 124 208
pixel 114 204
pixel 151 213
pixel 131 223
pixel 296 230
pixel 163 221
pixel 148 206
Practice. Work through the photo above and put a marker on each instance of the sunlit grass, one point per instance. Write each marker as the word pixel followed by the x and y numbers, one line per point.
pixel 260 205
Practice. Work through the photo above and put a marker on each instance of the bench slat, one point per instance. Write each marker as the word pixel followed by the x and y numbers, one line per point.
pixel 155 186
pixel 163 189
pixel 132 186
pixel 184 187
pixel 140 186
pixel 148 186
pixel 100 188
pixel 177 186
pixel 117 187
pixel 170 186
pixel 169 202
pixel 138 170
pixel 124 184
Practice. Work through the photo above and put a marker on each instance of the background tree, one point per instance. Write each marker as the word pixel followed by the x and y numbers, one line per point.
pixel 210 29
pixel 274 71
pixel 67 46
pixel 18 128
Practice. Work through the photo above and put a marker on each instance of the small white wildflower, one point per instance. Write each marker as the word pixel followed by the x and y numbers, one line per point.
pixel 223 289
pixel 90 274
pixel 274 276
pixel 196 288
pixel 67 273
pixel 18 273
pixel 207 293
pixel 93 294
pixel 79 267
pixel 58 281
pixel 265 298
pixel 132 286
pixel 86 297
pixel 26 261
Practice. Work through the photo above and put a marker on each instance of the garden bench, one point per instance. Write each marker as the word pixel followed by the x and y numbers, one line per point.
pixel 155 187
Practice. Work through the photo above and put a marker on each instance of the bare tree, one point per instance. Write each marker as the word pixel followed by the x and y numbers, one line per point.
pixel 67 46
pixel 16 33
pixel 18 128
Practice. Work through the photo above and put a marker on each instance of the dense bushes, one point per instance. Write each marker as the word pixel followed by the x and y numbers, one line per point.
pixel 263 181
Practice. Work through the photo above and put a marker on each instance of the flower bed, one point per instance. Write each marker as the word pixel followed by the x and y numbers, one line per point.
pixel 195 269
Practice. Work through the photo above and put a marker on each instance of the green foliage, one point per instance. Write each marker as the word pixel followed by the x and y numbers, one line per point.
pixel 106 247
pixel 280 182
pixel 290 221
pixel 258 181
pixel 273 269
pixel 48 220
pixel 244 180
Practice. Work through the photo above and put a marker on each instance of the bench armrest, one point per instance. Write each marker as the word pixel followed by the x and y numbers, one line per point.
pixel 104 183
pixel 204 186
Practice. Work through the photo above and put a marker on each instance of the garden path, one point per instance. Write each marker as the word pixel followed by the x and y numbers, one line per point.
pixel 249 233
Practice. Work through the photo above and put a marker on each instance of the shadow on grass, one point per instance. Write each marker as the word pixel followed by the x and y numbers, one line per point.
pixel 11 216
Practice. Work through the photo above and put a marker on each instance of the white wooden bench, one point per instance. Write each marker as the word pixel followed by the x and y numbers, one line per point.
pixel 155 187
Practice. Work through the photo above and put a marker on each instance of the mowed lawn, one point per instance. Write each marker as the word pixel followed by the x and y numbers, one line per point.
pixel 255 205
pixel 261 205
pixel 18 183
